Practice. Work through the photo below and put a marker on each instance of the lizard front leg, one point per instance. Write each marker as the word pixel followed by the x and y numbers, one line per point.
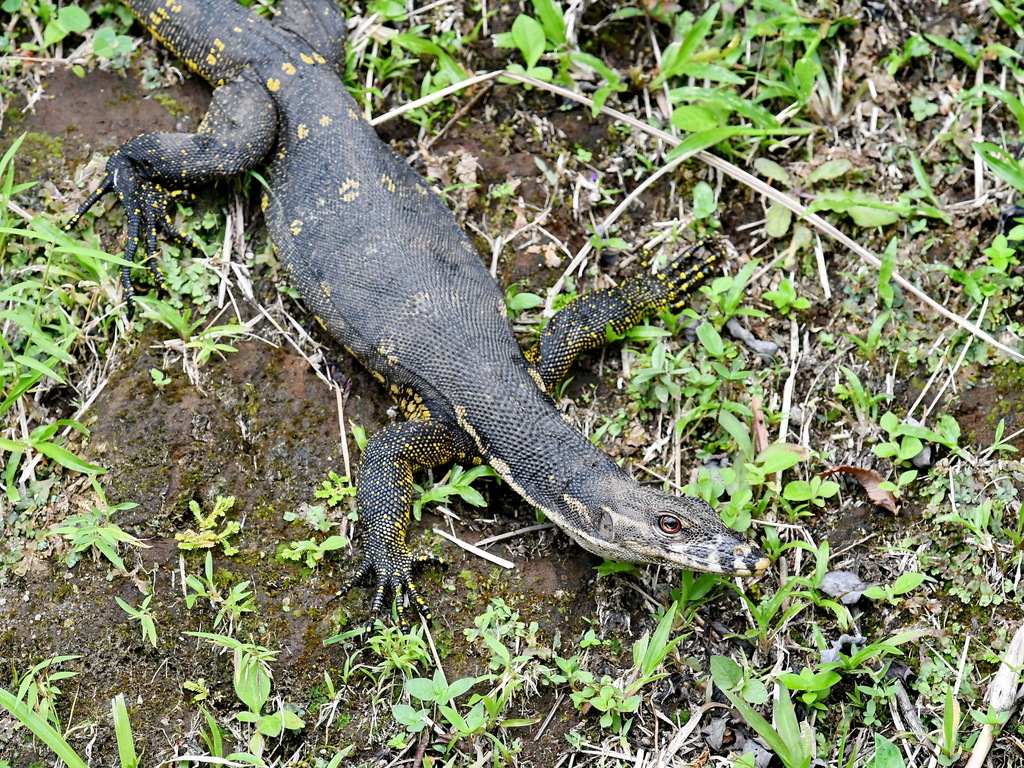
pixel 148 171
pixel 383 499
pixel 581 324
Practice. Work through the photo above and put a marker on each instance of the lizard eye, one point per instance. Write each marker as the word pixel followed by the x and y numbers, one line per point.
pixel 670 524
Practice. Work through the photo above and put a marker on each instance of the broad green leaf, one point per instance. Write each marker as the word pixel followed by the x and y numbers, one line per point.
pixel 726 673
pixel 693 119
pixel 421 688
pixel 73 19
pixel 887 754
pixel 66 458
pixel 831 169
pixel 528 37
pixel 772 170
pixel 872 217
pixel 778 219
pixel 711 339
pixel 551 19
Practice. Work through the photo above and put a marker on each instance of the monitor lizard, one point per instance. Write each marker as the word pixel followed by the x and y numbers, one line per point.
pixel 384 266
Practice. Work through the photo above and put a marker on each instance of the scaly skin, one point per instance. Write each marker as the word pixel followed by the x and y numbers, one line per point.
pixel 383 265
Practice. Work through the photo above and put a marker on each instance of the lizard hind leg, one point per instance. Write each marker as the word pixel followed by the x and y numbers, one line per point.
pixel 581 324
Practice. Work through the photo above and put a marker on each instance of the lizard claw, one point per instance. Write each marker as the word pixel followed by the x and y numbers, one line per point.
pixel 145 203
pixel 392 577
pixel 687 270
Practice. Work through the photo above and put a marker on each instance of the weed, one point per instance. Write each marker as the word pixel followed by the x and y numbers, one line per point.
pixel 793 743
pixel 56 741
pixel 203 343
pixel 143 615
pixel 458 483
pixel 94 530
pixel 252 678
pixel 230 603
pixel 208 537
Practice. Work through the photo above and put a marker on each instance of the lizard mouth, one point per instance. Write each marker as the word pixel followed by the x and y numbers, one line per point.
pixel 727 556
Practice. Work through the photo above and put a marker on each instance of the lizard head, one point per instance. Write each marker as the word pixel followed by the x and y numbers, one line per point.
pixel 635 523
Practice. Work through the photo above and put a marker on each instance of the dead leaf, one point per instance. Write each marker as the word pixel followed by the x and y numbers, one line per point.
pixel 870 481
pixel 759 428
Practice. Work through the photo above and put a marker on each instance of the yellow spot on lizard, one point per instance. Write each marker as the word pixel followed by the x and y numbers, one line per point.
pixel 319 59
pixel 325 121
pixel 388 183
pixel 296 226
pixel 353 114
pixel 303 131
pixel 273 84
pixel 218 44
pixel 288 67
pixel 264 202
pixel 211 59
pixel 326 288
pixel 349 190
pixel 305 58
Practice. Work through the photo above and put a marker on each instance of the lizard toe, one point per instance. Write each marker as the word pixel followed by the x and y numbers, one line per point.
pixel 689 268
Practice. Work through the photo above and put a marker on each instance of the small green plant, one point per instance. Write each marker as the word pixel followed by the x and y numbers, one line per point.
pixel 159 379
pixel 865 405
pixel 872 340
pixel 94 530
pixel 315 517
pixel 727 292
pixel 38 688
pixel 440 693
pixel 906 582
pixel 230 603
pixel 52 738
pixel 458 483
pixel 987 280
pixel 613 699
pixel 785 297
pixel 794 745
pixel 208 537
pixel 808 494
pixel 143 615
pixel 535 36
pixel 309 551
pixel 204 343
pixel 335 490
pixel 813 687
pixel 772 612
pixel 252 678
pixel 907 440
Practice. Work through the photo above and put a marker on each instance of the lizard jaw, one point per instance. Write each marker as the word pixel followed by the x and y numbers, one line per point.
pixel 728 555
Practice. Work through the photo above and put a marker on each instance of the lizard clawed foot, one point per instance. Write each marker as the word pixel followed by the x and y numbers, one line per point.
pixel 146 205
pixel 392 575
pixel 688 269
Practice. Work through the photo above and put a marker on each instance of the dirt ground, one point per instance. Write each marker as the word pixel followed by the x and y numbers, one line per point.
pixel 260 426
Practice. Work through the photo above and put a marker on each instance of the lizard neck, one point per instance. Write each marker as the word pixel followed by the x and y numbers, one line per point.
pixel 548 462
